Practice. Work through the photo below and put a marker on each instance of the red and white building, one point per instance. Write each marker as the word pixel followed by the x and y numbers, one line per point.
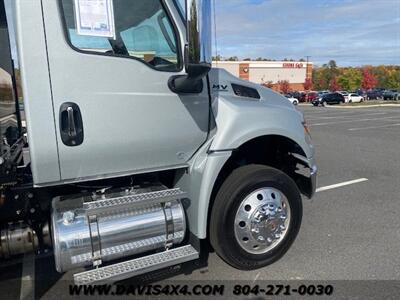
pixel 262 72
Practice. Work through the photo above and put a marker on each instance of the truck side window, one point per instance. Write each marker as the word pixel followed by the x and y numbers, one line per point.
pixel 144 31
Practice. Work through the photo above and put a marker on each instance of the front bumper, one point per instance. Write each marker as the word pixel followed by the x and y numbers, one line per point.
pixel 307 179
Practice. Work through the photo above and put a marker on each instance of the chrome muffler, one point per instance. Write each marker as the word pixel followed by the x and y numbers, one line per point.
pixel 87 231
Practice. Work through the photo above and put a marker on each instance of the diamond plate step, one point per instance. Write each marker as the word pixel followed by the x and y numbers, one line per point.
pixel 137 266
pixel 133 200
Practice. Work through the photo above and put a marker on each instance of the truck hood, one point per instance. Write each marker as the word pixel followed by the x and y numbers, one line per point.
pixel 221 86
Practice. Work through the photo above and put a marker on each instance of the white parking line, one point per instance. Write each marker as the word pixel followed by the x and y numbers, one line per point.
pixel 353 121
pixel 343 116
pixel 374 127
pixel 338 185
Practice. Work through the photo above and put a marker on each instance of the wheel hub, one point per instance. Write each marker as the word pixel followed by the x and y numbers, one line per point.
pixel 262 220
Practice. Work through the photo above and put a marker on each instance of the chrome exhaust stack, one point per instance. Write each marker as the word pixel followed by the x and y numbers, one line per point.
pixel 88 231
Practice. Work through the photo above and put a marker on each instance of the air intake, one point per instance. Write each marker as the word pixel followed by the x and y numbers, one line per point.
pixel 244 91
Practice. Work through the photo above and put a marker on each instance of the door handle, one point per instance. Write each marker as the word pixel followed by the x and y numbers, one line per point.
pixel 71 124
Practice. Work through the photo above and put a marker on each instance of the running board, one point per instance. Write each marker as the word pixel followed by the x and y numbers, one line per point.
pixel 135 267
pixel 133 200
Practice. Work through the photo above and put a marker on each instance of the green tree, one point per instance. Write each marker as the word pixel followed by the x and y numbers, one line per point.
pixel 217 58
pixel 320 81
pixel 233 58
pixel 350 79
pixel 393 79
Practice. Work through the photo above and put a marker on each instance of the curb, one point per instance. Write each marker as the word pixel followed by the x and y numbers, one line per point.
pixel 364 106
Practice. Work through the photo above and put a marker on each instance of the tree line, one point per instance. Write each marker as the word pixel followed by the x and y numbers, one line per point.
pixel 331 77
pixel 236 58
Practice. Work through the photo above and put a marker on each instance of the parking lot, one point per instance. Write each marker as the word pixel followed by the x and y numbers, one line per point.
pixel 351 229
pixel 348 232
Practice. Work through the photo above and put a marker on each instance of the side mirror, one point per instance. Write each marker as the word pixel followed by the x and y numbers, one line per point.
pixel 198 59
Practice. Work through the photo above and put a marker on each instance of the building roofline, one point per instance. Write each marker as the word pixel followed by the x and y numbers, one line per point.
pixel 260 62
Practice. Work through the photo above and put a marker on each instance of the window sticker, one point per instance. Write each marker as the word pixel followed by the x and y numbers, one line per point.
pixel 95 18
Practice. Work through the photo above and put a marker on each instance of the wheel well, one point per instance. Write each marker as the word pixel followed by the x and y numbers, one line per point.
pixel 272 150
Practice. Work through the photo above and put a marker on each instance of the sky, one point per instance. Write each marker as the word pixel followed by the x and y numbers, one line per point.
pixel 352 32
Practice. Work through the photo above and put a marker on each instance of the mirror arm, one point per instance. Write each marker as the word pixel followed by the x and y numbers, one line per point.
pixel 183 84
pixel 192 83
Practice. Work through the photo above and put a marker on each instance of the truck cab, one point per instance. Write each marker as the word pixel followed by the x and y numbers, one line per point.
pixel 134 149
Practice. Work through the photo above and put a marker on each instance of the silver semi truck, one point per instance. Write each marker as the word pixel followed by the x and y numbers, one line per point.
pixel 124 152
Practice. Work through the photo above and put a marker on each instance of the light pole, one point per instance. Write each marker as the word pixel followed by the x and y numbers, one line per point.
pixel 308 60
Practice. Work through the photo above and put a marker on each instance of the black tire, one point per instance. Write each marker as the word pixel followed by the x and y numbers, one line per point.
pixel 233 191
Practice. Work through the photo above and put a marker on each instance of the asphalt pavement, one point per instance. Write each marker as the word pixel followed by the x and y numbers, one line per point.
pixel 350 230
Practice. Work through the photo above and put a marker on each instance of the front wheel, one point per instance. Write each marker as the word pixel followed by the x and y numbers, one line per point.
pixel 256 217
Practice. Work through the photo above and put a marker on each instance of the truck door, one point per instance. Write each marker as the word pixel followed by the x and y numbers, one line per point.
pixel 114 111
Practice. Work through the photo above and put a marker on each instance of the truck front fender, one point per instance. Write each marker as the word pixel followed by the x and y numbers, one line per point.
pixel 240 121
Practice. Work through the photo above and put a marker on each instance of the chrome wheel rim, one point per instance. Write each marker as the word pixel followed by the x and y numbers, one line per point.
pixel 262 220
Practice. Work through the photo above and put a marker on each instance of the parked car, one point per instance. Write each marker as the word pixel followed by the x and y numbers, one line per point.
pixel 322 93
pixel 345 95
pixel 374 94
pixel 331 98
pixel 296 95
pixel 391 95
pixel 302 97
pixel 362 94
pixel 353 97
pixel 292 99
pixel 311 96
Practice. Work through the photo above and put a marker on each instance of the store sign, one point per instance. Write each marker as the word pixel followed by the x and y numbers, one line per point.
pixel 293 65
